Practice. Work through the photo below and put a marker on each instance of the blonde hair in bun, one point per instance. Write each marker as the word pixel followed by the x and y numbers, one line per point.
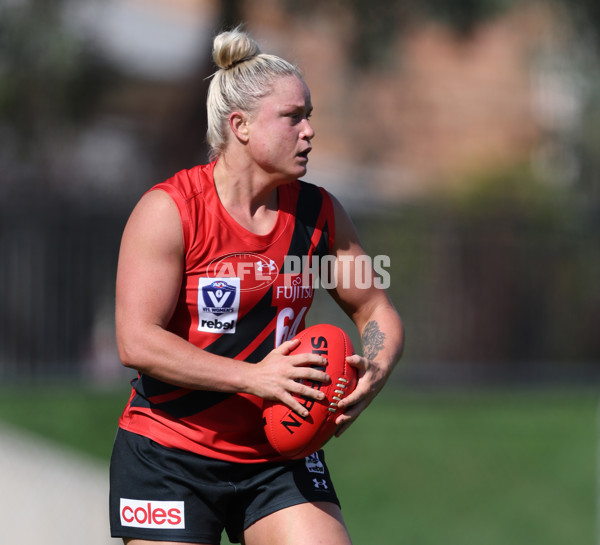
pixel 232 47
pixel 244 76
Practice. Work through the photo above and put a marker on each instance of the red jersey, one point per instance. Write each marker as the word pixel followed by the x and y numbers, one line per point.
pixel 242 295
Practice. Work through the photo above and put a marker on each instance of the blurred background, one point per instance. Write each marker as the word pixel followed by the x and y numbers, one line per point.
pixel 463 138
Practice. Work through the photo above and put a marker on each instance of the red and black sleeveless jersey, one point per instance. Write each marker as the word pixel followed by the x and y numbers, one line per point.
pixel 242 295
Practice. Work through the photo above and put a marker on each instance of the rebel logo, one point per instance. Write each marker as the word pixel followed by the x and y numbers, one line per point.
pixel 152 514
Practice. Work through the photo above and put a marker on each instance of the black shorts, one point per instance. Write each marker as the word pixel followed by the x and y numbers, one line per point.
pixel 164 494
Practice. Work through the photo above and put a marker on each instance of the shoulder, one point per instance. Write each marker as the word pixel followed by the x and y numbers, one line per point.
pixel 155 210
pixel 187 183
pixel 189 190
pixel 167 209
pixel 153 228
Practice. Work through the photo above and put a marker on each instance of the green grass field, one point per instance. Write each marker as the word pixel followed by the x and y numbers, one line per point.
pixel 496 468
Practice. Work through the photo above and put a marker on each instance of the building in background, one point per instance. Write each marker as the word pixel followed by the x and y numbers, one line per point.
pixel 439 108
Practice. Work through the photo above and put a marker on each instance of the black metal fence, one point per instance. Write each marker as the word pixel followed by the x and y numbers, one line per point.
pixel 505 299
pixel 57 268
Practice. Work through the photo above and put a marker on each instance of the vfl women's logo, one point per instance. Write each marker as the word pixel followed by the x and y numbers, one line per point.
pixel 218 304
pixel 218 297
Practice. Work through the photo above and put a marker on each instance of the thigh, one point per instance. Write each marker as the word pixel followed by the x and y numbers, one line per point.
pixel 159 494
pixel 303 524
pixel 274 487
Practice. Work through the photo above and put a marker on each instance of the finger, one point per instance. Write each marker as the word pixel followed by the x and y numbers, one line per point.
pixel 360 393
pixel 299 404
pixel 344 421
pixel 308 359
pixel 341 429
pixel 287 346
pixel 351 399
pixel 295 405
pixel 358 361
pixel 308 391
pixel 310 374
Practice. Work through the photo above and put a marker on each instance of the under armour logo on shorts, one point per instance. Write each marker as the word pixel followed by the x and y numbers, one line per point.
pixel 320 483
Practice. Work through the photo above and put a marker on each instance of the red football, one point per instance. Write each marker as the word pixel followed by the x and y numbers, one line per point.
pixel 297 437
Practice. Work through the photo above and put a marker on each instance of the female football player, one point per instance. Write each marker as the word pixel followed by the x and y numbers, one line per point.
pixel 206 316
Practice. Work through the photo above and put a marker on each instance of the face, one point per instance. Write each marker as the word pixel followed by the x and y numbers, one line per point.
pixel 279 132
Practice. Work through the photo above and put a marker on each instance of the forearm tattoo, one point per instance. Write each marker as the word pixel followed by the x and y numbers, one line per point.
pixel 372 340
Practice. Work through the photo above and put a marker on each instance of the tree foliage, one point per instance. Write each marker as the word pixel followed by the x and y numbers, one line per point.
pixel 47 76
pixel 376 23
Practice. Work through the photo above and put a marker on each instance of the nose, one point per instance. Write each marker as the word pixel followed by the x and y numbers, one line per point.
pixel 308 133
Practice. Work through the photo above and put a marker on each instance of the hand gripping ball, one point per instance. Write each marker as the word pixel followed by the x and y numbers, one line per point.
pixel 294 436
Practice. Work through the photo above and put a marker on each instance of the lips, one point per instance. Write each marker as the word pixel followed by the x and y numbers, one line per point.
pixel 304 154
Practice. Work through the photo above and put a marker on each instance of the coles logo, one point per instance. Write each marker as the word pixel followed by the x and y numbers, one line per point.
pixel 255 270
pixel 169 515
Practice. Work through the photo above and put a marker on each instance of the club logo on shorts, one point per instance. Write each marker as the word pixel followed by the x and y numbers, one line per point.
pixel 218 304
pixel 166 515
pixel 314 465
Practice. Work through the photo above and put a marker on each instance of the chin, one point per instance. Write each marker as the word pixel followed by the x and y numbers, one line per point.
pixel 290 174
pixel 302 171
pixel 293 175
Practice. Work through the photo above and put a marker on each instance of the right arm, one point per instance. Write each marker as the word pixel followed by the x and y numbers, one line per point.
pixel 149 275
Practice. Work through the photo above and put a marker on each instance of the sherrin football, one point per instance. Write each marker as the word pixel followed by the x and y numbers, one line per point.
pixel 292 435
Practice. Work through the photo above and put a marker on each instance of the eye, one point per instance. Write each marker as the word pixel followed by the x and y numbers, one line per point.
pixel 298 116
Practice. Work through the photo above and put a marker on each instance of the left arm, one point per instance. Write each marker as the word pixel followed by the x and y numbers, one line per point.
pixel 369 307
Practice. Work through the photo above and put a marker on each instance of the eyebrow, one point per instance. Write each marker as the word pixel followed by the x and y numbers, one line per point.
pixel 297 107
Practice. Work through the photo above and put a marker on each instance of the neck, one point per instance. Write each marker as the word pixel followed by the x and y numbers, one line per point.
pixel 249 197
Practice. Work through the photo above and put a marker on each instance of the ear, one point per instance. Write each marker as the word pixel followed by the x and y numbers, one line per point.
pixel 238 122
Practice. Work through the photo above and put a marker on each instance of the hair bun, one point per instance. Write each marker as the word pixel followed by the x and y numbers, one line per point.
pixel 232 47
